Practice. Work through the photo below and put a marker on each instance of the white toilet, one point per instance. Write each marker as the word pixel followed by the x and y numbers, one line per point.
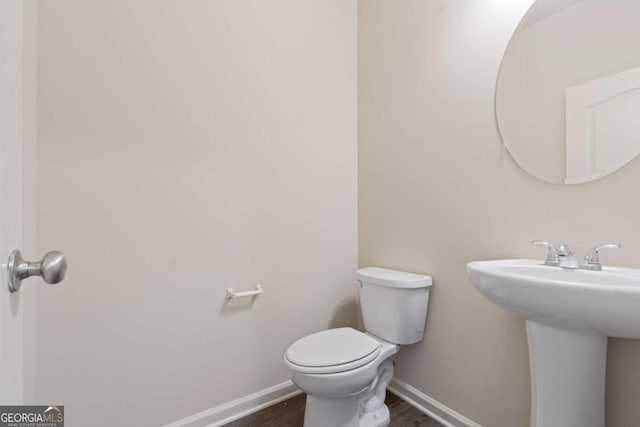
pixel 345 372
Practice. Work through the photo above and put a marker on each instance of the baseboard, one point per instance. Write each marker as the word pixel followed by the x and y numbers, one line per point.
pixel 228 412
pixel 436 410
pixel 234 410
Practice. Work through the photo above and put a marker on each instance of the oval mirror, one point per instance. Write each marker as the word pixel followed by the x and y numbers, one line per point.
pixel 568 91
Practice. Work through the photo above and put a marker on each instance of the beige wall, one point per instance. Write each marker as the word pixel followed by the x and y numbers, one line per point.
pixel 437 191
pixel 186 147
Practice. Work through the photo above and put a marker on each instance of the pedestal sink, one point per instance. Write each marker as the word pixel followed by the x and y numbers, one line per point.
pixel 569 314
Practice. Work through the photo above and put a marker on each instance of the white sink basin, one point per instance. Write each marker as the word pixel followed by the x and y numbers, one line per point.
pixel 569 315
pixel 605 302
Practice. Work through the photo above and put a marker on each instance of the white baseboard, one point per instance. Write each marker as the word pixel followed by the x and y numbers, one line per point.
pixel 436 410
pixel 228 412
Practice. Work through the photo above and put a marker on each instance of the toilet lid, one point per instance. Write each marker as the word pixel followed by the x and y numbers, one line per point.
pixel 337 348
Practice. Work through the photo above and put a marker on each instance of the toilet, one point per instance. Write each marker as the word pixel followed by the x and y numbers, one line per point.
pixel 345 372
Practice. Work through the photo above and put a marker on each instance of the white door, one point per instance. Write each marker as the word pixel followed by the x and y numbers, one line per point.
pixel 16 120
pixel 602 126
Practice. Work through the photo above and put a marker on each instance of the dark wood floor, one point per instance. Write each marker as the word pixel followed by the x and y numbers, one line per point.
pixel 290 413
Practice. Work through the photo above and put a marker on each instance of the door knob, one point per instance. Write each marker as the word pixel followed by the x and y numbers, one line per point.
pixel 52 268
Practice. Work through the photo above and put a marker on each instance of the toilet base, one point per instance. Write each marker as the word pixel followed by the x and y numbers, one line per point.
pixel 342 412
pixel 339 412
pixel 380 418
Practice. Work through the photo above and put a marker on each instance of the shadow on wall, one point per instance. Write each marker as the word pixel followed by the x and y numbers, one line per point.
pixel 346 314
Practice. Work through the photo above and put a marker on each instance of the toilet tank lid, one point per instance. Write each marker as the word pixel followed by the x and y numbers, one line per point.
pixel 393 278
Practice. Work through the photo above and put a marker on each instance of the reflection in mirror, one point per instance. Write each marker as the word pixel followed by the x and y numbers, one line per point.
pixel 568 92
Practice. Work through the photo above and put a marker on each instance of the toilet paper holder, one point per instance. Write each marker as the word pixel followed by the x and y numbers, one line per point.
pixel 231 294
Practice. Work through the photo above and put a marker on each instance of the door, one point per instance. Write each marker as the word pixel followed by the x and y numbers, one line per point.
pixel 602 127
pixel 17 122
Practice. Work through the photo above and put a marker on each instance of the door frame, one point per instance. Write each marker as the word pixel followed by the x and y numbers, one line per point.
pixel 18 134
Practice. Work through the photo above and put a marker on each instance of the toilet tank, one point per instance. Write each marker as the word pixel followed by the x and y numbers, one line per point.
pixel 394 304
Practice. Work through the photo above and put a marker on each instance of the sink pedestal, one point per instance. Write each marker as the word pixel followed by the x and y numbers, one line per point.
pixel 567 377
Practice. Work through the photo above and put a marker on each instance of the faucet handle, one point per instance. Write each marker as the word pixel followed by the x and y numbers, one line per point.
pixel 592 259
pixel 552 253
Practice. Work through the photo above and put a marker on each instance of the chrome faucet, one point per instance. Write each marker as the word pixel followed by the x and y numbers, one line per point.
pixel 563 256
pixel 567 258
pixel 560 257
pixel 592 259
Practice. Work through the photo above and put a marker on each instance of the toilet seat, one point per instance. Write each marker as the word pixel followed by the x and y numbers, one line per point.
pixel 332 351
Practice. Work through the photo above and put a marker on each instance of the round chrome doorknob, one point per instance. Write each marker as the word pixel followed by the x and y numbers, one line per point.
pixel 52 268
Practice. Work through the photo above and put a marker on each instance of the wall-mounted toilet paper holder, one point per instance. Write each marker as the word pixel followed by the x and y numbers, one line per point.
pixel 231 294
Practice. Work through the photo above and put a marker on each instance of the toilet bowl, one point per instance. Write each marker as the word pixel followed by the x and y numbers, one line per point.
pixel 340 385
pixel 345 372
